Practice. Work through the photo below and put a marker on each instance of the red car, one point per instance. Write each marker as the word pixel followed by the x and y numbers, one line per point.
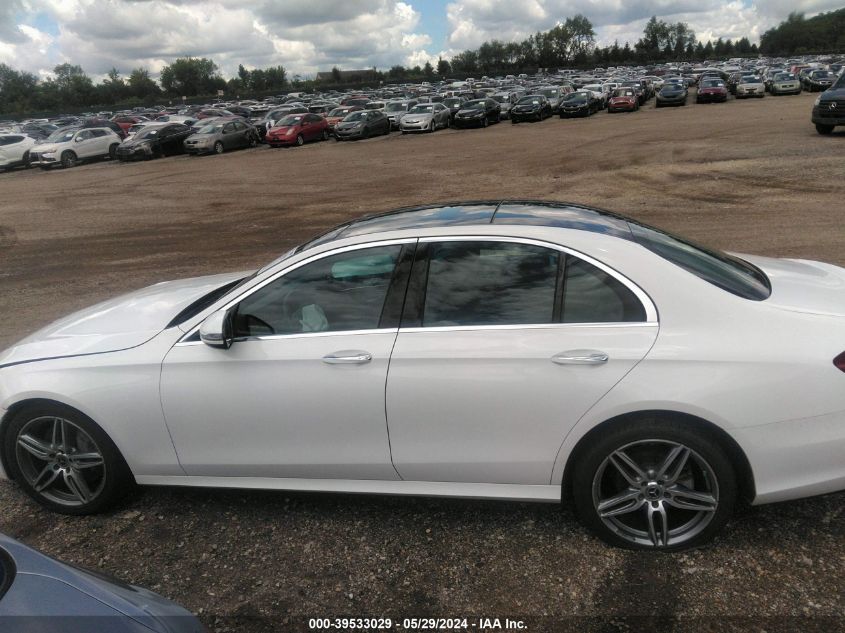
pixel 624 100
pixel 295 129
pixel 125 122
pixel 712 91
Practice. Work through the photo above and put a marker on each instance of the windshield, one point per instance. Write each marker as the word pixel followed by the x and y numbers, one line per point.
pixel 749 80
pixel 421 109
pixel 395 107
pixel 210 129
pixel 356 116
pixel 840 83
pixel 61 136
pixel 291 119
pixel 147 133
pixel 550 92
pixel 500 98
pixel 720 269
pixel 474 105
pixel 578 96
pixel 821 74
pixel 529 101
pixel 784 77
pixel 452 101
pixel 623 93
pixel 340 112
pixel 713 83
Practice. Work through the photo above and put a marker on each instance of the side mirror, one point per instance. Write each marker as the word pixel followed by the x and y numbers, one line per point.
pixel 217 331
pixel 78 139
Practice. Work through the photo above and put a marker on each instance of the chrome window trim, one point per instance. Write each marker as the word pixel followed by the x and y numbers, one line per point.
pixel 648 304
pixel 530 326
pixel 246 293
pixel 275 337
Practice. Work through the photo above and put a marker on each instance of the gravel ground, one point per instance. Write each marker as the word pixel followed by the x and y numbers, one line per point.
pixel 746 176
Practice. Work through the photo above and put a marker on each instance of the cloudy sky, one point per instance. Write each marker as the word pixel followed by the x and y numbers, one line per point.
pixel 310 35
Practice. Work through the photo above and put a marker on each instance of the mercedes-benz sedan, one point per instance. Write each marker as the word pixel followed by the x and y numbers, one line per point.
pixel 513 350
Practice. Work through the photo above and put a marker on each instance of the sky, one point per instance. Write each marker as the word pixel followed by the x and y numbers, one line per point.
pixel 306 36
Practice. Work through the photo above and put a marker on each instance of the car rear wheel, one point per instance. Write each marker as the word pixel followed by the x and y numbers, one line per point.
pixel 69 159
pixel 654 484
pixel 113 150
pixel 824 129
pixel 64 461
pixel 300 141
pixel 218 147
pixel 27 161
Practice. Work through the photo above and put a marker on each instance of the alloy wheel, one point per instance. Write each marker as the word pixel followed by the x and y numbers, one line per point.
pixel 60 461
pixel 656 493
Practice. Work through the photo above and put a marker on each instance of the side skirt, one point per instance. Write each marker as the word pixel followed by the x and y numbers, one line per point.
pixel 516 492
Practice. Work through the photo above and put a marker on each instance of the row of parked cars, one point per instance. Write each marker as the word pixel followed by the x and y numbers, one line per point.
pixel 296 119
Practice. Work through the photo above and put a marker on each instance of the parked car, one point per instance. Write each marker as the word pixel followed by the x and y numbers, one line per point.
pixel 506 102
pixel 454 104
pixel 297 129
pixel 553 93
pixel 829 108
pixel 711 91
pixel 338 114
pixel 394 110
pixel 211 113
pixel 581 103
pixel 424 117
pixel 221 135
pixel 624 100
pixel 672 93
pixel 37 131
pixel 477 113
pixel 668 381
pixel 176 118
pixel 269 119
pixel 784 84
pixel 750 86
pixel 114 127
pixel 639 91
pixel 14 150
pixel 819 80
pixel 70 147
pixel 362 124
pixel 125 122
pixel 154 140
pixel 40 593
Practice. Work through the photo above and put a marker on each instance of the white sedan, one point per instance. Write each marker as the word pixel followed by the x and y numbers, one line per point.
pixel 514 350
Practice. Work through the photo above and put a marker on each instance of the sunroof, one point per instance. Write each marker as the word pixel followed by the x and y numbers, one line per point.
pixel 564 216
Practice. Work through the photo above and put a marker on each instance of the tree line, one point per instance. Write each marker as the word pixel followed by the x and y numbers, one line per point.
pixel 824 33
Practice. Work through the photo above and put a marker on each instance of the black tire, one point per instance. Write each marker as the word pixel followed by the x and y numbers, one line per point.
pixel 253 141
pixel 824 129
pixel 324 136
pixel 485 122
pixel 117 479
pixel 365 134
pixel 514 121
pixel 300 141
pixel 218 148
pixel 68 159
pixel 27 161
pixel 592 465
pixel 113 150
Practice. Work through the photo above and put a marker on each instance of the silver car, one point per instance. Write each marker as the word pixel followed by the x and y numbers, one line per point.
pixel 424 117
pixel 393 110
pixel 750 86
pixel 221 135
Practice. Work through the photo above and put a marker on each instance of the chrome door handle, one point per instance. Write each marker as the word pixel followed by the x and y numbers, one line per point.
pixel 348 358
pixel 580 357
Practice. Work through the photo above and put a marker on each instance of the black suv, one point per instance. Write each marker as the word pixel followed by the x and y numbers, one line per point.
pixel 829 109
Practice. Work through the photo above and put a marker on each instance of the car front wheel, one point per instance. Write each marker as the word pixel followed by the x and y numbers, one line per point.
pixel 654 484
pixel 824 129
pixel 64 461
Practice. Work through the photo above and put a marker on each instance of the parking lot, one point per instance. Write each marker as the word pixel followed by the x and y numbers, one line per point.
pixel 747 176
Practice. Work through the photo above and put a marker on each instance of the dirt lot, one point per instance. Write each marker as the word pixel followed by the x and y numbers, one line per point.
pixel 749 176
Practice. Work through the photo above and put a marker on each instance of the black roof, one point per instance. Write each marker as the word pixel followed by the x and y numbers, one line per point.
pixel 505 212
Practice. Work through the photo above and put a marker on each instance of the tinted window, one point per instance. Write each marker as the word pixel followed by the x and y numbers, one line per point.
pixel 729 273
pixel 98 133
pixel 336 293
pixel 489 283
pixel 590 295
pixel 10 140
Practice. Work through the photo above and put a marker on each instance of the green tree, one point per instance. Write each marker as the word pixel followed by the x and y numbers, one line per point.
pixel 191 76
pixel 444 68
pixel 141 85
pixel 428 71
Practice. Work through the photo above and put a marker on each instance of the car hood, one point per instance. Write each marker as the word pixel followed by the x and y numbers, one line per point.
pixel 281 130
pixel 419 117
pixel 120 323
pixel 43 148
pixel 346 125
pixel 801 285
pixel 132 141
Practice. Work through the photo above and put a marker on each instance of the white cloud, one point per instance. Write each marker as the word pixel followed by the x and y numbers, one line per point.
pixel 473 21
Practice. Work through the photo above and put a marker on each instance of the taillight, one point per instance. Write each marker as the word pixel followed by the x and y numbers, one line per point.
pixel 839 361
